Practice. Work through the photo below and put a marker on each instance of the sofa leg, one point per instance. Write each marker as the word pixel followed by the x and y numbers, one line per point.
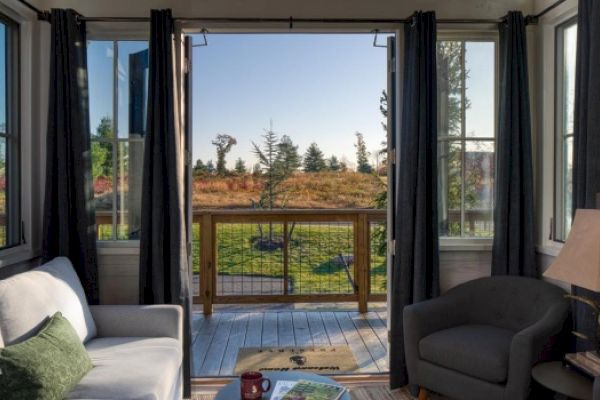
pixel 423 394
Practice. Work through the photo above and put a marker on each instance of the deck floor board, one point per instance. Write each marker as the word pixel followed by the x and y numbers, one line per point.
pixel 217 338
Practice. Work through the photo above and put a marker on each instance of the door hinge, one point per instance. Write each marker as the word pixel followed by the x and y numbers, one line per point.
pixel 189 249
pixel 188 157
pixel 392 247
pixel 392 156
pixel 187 66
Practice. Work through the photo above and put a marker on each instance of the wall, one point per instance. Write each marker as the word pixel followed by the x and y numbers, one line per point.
pixel 285 8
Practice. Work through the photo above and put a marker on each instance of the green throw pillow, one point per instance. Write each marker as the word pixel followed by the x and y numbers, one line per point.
pixel 46 366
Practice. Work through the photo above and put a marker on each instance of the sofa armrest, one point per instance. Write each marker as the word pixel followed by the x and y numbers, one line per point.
pixel 139 321
pixel 526 347
pixel 424 318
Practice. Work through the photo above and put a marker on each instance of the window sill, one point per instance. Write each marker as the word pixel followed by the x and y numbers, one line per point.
pixel 17 254
pixel 118 247
pixel 550 248
pixel 466 244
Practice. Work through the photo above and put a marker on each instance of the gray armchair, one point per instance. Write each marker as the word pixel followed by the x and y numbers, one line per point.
pixel 480 339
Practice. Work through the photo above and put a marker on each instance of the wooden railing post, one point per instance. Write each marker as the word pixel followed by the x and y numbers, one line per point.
pixel 286 258
pixel 361 251
pixel 207 262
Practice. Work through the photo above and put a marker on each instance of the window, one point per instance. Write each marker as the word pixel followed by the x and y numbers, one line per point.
pixel 10 213
pixel 466 137
pixel 566 40
pixel 118 85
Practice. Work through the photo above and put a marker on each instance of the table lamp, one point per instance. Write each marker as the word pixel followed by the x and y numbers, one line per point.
pixel 578 263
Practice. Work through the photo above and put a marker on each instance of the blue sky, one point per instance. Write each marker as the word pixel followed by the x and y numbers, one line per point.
pixel 320 88
pixel 314 87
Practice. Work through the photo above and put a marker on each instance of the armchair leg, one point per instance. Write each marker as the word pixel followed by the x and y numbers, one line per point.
pixel 423 395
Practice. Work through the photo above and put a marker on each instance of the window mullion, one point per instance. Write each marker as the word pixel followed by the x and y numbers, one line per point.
pixel 463 127
pixel 115 141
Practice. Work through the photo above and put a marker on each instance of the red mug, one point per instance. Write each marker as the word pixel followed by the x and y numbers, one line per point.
pixel 252 385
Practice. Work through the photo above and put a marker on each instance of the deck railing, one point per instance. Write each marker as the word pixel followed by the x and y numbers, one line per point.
pixel 290 256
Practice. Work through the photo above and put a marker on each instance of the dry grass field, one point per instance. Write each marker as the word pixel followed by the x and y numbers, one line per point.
pixel 302 190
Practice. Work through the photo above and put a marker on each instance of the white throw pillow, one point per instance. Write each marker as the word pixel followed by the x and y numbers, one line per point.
pixel 27 299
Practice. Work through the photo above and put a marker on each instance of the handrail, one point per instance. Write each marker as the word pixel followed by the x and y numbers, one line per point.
pixel 291 211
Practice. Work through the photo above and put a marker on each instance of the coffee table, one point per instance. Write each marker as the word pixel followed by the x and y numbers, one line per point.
pixel 232 390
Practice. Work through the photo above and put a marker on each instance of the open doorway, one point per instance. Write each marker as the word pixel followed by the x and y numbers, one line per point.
pixel 289 191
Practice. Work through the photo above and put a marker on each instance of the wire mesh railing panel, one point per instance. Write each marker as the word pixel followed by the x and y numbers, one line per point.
pixel 321 258
pixel 249 259
pixel 377 257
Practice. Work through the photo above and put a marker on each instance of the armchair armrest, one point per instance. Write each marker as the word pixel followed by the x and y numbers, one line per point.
pixel 139 321
pixel 424 318
pixel 526 346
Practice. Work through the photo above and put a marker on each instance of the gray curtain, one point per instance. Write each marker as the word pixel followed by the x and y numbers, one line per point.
pixel 586 162
pixel 69 217
pixel 514 251
pixel 415 271
pixel 164 275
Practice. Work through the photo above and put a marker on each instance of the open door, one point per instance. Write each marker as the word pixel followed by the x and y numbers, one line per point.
pixel 392 127
pixel 187 132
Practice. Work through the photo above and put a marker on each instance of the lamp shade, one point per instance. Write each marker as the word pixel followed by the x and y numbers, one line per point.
pixel 578 263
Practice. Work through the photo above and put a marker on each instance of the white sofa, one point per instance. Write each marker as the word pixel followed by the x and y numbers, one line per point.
pixel 136 350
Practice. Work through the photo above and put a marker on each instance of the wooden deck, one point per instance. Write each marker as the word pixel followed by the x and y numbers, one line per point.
pixel 218 337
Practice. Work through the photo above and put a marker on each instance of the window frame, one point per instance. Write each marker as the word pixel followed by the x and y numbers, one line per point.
pixel 558 230
pixel 105 33
pixel 12 136
pixel 464 241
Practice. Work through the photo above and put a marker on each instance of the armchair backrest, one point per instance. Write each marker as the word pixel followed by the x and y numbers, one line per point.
pixel 509 302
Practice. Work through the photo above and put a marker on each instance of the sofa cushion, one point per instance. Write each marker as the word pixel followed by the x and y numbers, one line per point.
pixel 480 351
pixel 45 366
pixel 28 299
pixel 130 368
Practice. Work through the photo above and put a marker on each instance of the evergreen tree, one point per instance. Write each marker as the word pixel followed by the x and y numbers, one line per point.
pixel 272 173
pixel 223 143
pixel 200 167
pixel 102 158
pixel 313 159
pixel 333 164
pixel 240 166
pixel 210 167
pixel 288 159
pixel 450 55
pixel 362 155
pixel 256 170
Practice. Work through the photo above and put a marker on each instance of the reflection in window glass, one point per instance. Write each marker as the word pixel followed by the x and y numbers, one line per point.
pixel 466 137
pixel 565 89
pixel 10 218
pixel 118 73
pixel 3 218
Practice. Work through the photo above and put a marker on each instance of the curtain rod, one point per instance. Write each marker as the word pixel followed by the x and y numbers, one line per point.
pixel 291 20
pixel 530 19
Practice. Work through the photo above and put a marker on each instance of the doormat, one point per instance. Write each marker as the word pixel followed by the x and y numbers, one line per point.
pixel 322 360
